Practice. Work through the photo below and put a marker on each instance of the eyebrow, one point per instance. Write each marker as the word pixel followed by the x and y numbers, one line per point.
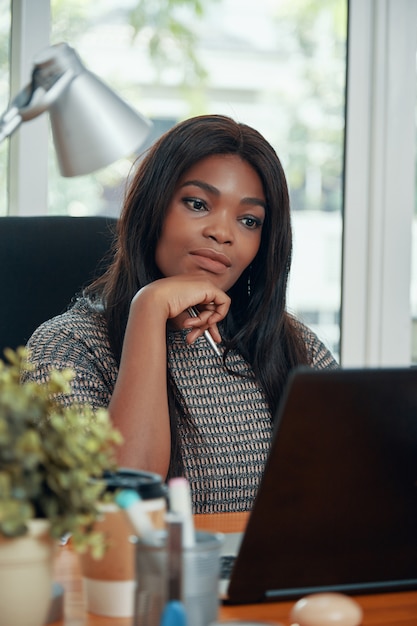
pixel 211 189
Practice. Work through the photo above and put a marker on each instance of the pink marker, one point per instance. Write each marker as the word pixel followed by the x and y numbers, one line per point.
pixel 180 503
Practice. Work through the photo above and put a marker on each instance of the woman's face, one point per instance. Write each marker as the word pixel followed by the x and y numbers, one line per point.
pixel 214 221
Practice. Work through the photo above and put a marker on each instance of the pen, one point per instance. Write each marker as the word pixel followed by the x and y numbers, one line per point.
pixel 193 313
pixel 180 503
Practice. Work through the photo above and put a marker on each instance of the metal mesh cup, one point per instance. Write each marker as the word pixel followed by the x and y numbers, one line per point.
pixel 200 579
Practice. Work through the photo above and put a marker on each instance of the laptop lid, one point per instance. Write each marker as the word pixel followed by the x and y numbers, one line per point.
pixel 337 506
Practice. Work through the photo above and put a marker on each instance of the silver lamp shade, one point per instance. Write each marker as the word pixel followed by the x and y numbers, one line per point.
pixel 91 125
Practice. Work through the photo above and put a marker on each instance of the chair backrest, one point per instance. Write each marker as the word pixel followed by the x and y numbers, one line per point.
pixel 44 262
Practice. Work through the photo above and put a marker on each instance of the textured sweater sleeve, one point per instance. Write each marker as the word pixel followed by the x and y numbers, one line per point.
pixel 77 340
pixel 319 355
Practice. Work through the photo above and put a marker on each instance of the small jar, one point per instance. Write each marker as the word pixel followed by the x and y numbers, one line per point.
pixel 109 583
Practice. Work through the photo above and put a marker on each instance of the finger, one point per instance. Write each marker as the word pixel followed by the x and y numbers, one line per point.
pixel 213 312
pixel 217 308
pixel 195 333
pixel 214 332
pixel 199 320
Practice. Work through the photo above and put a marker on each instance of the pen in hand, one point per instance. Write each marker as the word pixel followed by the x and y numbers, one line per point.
pixel 193 313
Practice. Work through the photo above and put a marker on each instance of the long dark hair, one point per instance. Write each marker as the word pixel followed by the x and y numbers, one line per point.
pixel 257 323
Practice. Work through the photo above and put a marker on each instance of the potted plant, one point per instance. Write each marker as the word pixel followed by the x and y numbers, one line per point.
pixel 52 459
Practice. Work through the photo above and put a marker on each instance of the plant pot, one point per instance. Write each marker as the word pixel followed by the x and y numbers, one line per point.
pixel 26 572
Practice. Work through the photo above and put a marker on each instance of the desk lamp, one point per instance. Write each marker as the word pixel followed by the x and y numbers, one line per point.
pixel 91 126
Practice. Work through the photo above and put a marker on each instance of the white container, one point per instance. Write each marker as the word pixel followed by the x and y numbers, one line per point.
pixel 26 569
pixel 199 581
pixel 109 583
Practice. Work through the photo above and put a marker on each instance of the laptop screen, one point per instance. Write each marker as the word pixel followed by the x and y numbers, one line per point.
pixel 337 505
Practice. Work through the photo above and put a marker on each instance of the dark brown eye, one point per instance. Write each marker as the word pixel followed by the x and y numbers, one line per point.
pixel 195 204
pixel 251 222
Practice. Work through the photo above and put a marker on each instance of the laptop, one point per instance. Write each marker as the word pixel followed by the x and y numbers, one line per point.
pixel 336 509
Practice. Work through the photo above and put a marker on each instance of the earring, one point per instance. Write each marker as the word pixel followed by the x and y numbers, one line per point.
pixel 249 281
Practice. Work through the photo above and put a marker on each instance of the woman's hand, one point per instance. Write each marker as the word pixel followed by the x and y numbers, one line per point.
pixel 173 296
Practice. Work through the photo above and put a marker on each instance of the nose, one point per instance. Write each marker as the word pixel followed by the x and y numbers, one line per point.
pixel 219 228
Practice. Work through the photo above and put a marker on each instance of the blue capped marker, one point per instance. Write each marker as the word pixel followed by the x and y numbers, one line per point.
pixel 131 502
pixel 174 614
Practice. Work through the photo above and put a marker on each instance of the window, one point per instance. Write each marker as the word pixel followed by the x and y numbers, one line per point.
pixel 413 290
pixel 280 68
pixel 5 25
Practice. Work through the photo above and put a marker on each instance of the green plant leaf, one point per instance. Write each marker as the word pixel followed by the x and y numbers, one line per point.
pixel 51 456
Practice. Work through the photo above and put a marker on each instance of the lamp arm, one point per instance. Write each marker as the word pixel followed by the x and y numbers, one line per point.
pixel 9 122
pixel 31 102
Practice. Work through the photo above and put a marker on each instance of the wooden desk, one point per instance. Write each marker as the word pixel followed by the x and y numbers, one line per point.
pixel 391 609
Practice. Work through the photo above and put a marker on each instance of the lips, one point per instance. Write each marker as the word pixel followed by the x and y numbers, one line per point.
pixel 211 260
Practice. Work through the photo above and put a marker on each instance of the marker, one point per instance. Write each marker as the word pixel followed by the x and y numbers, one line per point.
pixel 180 503
pixel 193 313
pixel 174 612
pixel 131 502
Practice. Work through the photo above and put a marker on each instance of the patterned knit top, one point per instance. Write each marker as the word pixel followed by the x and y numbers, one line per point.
pixel 224 449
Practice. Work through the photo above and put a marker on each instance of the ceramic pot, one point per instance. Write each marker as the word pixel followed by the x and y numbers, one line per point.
pixel 26 572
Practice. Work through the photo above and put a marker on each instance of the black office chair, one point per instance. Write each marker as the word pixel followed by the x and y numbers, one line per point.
pixel 44 262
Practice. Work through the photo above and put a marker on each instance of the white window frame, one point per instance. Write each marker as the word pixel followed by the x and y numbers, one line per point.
pixel 28 153
pixel 379 169
pixel 379 183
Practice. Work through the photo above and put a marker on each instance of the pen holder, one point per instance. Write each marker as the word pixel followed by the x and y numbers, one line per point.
pixel 200 580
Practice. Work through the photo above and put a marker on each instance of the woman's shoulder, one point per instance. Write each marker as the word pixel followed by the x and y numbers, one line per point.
pixel 319 355
pixel 83 324
pixel 81 314
pixel 77 339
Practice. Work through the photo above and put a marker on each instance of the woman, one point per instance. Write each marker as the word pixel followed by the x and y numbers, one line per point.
pixel 205 228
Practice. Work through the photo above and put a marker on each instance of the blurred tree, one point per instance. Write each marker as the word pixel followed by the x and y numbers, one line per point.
pixel 165 30
pixel 70 18
pixel 310 40
pixel 162 26
pixel 170 40
pixel 317 32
